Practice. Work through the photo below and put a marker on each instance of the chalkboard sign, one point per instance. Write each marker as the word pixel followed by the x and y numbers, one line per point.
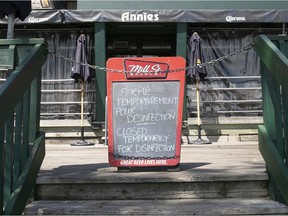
pixel 145 112
pixel 145 115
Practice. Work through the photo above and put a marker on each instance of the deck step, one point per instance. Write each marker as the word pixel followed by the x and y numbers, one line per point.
pixel 208 190
pixel 94 187
pixel 223 178
pixel 177 207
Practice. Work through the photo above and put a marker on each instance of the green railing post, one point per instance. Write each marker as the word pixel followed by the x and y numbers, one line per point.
pixel 271 92
pixel 283 47
pixel 181 45
pixel 273 135
pixel 100 59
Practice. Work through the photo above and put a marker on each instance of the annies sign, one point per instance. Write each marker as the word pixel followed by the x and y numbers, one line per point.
pixel 138 17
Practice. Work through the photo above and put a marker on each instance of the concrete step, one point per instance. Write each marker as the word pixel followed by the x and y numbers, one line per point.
pixel 179 207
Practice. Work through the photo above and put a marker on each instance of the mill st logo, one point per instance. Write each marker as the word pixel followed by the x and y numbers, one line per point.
pixel 138 69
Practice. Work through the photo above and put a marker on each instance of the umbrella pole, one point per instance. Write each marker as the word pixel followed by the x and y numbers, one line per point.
pixel 82 142
pixel 10 31
pixel 82 111
pixel 199 140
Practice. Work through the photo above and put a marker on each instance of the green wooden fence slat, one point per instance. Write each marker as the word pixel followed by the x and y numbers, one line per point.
pixel 18 141
pixel 2 150
pixel 35 97
pixel 285 124
pixel 38 100
pixel 26 129
pixel 8 168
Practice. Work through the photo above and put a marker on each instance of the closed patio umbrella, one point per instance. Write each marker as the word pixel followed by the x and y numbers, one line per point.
pixel 197 74
pixel 195 58
pixel 81 73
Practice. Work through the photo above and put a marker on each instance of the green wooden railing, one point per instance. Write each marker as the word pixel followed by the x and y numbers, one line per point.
pixel 22 145
pixel 273 134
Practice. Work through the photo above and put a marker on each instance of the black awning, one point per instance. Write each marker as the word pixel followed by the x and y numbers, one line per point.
pixel 186 16
pixel 154 16
pixel 40 16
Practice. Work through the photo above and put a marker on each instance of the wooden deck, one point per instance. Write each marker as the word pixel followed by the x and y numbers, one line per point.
pixel 222 178
pixel 217 160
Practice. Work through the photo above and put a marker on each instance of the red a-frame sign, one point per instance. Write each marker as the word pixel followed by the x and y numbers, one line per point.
pixel 144 106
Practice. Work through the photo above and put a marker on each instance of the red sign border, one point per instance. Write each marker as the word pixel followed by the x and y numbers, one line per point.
pixel 118 64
